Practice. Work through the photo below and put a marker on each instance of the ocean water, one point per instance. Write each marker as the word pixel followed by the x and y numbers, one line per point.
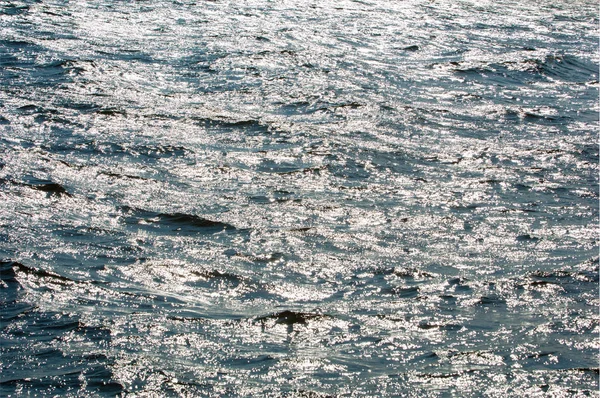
pixel 299 199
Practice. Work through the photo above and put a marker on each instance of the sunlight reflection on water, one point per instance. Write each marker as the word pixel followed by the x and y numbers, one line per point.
pixel 354 199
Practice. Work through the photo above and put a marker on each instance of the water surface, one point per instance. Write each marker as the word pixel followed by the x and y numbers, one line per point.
pixel 349 198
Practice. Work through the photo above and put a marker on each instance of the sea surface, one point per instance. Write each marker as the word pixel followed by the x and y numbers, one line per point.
pixel 299 198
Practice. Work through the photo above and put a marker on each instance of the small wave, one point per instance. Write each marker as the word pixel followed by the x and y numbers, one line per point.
pixel 17 44
pixel 51 188
pixel 403 292
pixel 562 67
pixel 272 258
pixel 410 273
pixel 568 68
pixel 226 124
pixel 12 9
pixel 412 48
pixel 527 238
pixel 565 277
pixel 177 222
pixel 491 301
pixel 459 284
pixel 18 267
pixel 288 317
pixel 111 112
pixel 446 327
pixel 216 275
pixel 125 176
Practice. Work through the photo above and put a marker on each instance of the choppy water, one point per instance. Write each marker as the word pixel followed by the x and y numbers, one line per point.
pixel 283 198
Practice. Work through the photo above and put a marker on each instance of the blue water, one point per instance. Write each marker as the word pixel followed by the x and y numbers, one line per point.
pixel 303 199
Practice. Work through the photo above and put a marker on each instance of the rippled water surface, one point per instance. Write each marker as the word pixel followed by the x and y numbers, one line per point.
pixel 287 198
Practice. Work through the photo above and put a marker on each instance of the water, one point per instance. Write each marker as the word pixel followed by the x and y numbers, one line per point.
pixel 349 198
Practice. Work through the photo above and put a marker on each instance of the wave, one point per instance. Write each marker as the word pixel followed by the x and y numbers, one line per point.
pixel 180 223
pixel 289 317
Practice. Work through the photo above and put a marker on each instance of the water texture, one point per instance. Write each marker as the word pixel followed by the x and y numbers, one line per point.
pixel 284 198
